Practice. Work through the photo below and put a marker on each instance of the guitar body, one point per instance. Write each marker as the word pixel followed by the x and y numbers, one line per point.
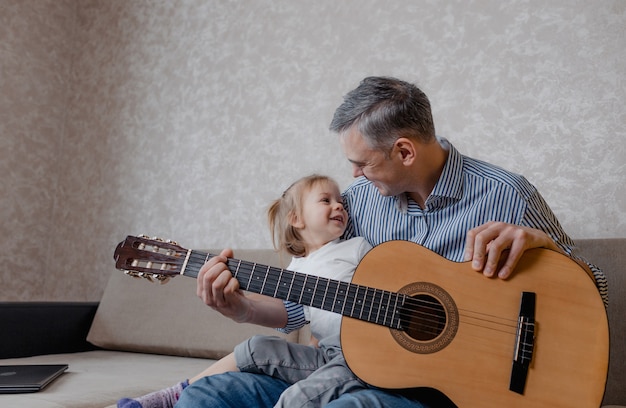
pixel 414 319
pixel 469 355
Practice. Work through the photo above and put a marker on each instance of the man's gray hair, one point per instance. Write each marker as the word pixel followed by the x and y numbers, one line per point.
pixel 384 109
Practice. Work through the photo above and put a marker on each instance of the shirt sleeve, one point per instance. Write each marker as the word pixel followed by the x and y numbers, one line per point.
pixel 601 282
pixel 538 215
pixel 295 317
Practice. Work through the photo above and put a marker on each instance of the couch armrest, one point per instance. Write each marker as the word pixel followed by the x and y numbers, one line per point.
pixel 36 328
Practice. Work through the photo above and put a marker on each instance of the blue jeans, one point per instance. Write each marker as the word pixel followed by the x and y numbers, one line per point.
pixel 237 390
pixel 318 375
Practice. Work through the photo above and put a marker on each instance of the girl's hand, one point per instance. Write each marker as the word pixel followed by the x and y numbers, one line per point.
pixel 220 290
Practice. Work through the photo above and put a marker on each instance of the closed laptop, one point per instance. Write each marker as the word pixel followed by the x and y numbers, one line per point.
pixel 28 378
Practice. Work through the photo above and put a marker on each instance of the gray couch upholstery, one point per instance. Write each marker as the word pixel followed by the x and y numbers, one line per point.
pixel 610 255
pixel 149 336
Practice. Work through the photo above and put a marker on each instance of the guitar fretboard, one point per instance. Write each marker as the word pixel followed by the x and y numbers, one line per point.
pixel 360 302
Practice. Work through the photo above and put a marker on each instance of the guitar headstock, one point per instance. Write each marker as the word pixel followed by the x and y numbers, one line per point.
pixel 149 258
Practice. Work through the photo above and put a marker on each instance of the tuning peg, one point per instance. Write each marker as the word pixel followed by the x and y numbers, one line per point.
pixel 145 276
pixel 163 279
pixel 132 274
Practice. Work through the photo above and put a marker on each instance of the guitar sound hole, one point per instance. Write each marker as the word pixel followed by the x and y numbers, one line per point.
pixel 427 320
pixel 430 319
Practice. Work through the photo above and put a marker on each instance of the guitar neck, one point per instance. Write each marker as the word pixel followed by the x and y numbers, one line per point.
pixel 360 302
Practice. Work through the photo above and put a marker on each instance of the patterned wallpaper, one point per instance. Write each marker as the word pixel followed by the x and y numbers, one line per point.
pixel 185 119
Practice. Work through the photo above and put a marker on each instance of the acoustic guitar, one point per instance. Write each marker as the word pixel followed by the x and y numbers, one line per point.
pixel 414 319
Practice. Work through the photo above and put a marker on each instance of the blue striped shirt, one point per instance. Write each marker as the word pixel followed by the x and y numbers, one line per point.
pixel 469 193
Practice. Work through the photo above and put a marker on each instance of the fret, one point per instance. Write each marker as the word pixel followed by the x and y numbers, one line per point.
pixel 262 291
pixel 255 280
pixel 373 305
pixel 316 300
pixel 323 303
pixel 247 286
pixel 330 295
pixel 381 306
pixel 363 302
pixel 386 300
pixel 351 298
pixel 272 281
pixel 360 301
pixel 242 274
pixel 399 310
pixel 306 297
pixel 190 266
pixel 297 289
pixel 283 285
pixel 339 304
pixel 394 311
pixel 278 284
pixel 236 273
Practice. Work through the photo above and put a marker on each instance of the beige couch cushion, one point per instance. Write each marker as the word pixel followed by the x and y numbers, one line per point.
pixel 137 315
pixel 96 379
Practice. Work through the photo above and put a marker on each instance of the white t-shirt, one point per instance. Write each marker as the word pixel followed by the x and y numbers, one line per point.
pixel 336 260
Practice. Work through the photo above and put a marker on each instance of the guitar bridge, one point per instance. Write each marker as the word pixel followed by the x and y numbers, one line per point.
pixel 524 343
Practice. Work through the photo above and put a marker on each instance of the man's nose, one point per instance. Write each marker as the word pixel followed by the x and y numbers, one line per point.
pixel 356 171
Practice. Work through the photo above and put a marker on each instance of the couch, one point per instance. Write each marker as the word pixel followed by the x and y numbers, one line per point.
pixel 144 336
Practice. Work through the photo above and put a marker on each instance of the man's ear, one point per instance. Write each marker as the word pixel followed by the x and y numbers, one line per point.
pixel 405 148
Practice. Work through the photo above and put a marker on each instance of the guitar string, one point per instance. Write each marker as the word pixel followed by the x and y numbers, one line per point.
pixel 198 259
pixel 428 321
pixel 249 267
pixel 429 312
pixel 245 270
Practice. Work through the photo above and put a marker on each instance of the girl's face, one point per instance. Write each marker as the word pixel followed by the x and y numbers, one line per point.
pixel 323 217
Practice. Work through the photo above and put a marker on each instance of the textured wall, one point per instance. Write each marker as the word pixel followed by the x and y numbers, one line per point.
pixel 184 119
pixel 36 53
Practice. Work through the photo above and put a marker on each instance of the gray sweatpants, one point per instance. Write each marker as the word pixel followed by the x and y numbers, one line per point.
pixel 318 375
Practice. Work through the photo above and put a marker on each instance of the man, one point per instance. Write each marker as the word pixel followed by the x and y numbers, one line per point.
pixel 410 185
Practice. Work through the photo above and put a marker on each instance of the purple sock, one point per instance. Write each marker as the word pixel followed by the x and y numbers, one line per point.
pixel 165 398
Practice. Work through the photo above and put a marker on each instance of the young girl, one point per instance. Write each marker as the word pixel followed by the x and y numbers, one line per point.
pixel 307 222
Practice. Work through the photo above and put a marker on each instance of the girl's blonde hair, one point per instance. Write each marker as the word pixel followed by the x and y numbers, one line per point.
pixel 284 211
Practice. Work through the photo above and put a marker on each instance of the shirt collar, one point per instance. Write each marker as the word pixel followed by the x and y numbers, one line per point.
pixel 450 183
pixel 449 187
